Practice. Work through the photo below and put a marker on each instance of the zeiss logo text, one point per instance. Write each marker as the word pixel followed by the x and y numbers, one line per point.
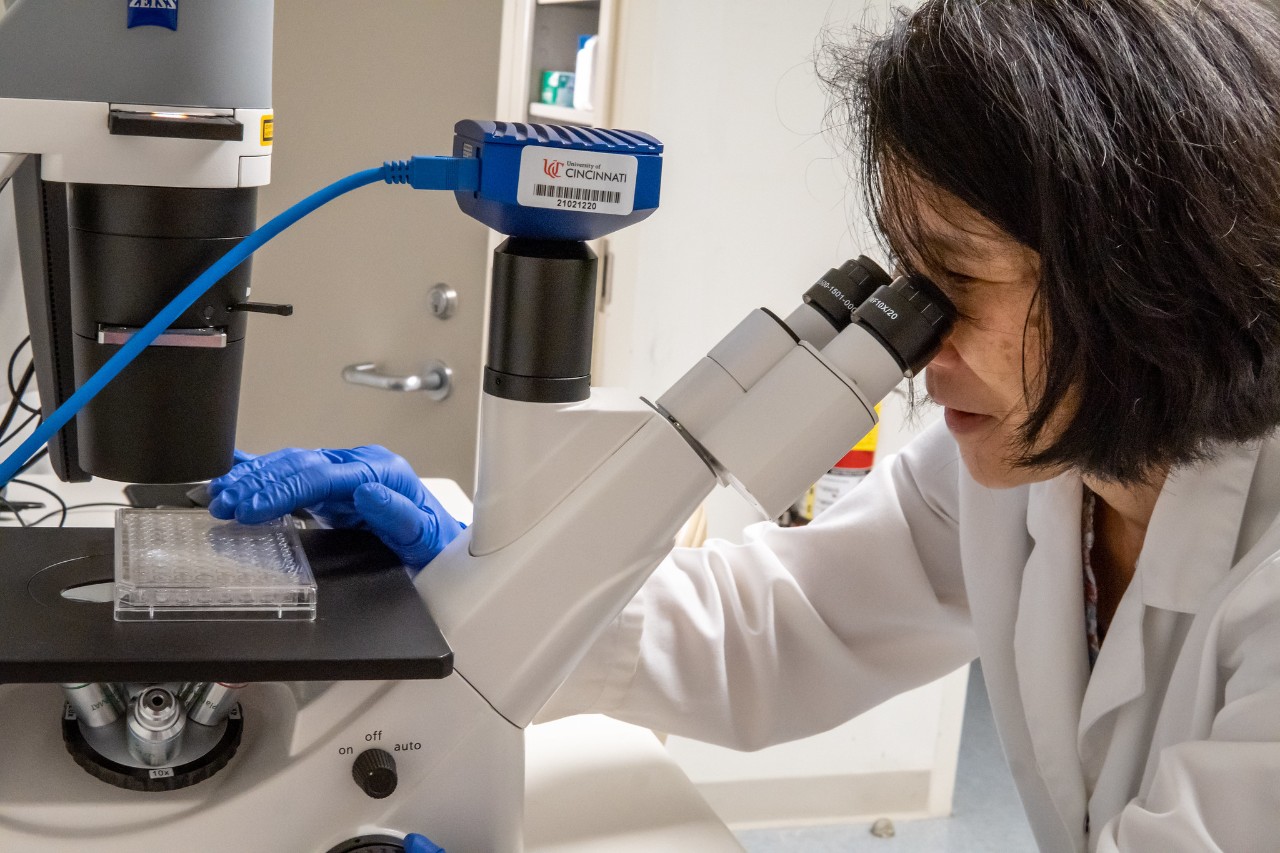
pixel 153 13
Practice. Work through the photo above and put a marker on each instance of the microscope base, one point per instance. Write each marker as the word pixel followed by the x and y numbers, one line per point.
pixel 289 787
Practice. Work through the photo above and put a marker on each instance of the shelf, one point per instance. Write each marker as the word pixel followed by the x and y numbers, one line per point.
pixel 562 114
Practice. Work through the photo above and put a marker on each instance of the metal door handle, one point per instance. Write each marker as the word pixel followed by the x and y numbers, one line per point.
pixel 436 379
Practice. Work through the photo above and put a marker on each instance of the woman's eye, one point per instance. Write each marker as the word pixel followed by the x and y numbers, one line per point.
pixel 957 277
pixel 958 288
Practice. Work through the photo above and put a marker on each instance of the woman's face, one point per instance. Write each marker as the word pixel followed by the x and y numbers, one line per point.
pixel 992 358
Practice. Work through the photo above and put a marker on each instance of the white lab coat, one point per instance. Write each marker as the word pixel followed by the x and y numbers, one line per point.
pixel 1174 742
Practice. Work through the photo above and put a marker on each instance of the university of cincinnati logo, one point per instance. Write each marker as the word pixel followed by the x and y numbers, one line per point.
pixel 581 171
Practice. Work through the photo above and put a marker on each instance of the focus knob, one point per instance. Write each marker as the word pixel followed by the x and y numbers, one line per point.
pixel 375 772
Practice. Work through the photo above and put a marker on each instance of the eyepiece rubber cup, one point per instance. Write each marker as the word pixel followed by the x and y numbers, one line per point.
pixel 910 316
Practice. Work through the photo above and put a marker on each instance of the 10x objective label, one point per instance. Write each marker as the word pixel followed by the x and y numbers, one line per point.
pixel 564 179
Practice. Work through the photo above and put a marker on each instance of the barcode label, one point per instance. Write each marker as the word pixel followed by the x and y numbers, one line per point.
pixel 577 193
pixel 572 180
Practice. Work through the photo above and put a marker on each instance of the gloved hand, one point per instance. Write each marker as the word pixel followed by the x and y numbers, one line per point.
pixel 366 487
pixel 415 843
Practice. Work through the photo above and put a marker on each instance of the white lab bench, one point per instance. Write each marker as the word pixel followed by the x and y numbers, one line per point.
pixel 591 783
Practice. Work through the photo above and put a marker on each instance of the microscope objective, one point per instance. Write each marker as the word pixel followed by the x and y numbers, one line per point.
pixel 212 706
pixel 189 693
pixel 155 727
pixel 95 703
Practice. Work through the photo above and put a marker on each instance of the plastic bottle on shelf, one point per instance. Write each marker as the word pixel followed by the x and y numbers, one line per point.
pixel 846 474
pixel 834 484
pixel 584 73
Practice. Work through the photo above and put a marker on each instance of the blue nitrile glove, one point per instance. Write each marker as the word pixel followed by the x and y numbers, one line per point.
pixel 365 487
pixel 415 843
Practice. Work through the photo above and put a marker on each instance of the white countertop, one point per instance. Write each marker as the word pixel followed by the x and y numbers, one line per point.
pixel 595 784
pixel 591 783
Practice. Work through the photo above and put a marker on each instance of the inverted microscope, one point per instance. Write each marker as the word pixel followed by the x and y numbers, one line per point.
pixel 400 707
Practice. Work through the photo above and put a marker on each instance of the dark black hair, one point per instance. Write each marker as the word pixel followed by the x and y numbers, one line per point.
pixel 1135 145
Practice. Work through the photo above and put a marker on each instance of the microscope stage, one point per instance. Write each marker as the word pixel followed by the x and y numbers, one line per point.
pixel 371 624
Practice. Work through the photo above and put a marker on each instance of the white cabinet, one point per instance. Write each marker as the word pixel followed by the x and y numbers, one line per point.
pixel 543 36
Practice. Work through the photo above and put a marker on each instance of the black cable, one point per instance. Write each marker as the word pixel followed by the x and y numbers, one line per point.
pixel 16 513
pixel 49 515
pixel 51 493
pixel 13 360
pixel 63 509
pixel 16 399
pixel 18 429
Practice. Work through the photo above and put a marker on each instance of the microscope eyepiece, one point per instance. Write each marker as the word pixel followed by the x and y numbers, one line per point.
pixel 910 317
pixel 840 291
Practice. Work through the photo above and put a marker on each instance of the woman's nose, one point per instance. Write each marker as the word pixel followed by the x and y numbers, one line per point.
pixel 948 353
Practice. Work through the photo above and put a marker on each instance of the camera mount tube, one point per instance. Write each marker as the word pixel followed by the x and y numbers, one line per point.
pixel 541 316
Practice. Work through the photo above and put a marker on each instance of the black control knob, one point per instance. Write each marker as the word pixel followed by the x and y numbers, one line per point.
pixel 375 772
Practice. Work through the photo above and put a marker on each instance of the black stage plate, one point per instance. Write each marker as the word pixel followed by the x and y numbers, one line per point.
pixel 370 622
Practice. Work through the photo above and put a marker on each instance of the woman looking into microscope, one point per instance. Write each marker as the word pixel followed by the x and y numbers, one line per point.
pixel 1096 186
